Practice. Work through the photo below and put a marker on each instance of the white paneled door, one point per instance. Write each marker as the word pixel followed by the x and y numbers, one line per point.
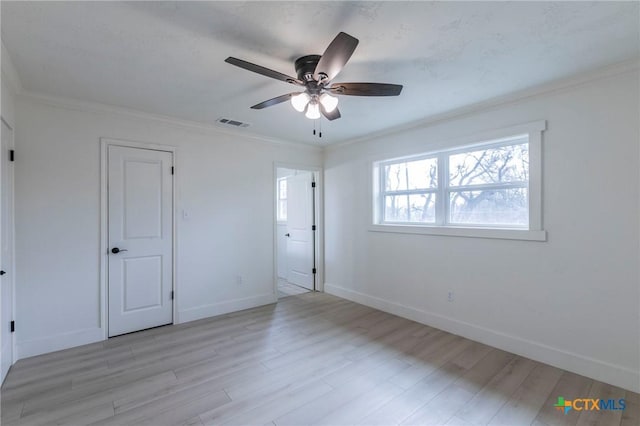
pixel 300 240
pixel 140 228
pixel 6 255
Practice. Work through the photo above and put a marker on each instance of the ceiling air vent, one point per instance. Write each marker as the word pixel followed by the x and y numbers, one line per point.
pixel 232 123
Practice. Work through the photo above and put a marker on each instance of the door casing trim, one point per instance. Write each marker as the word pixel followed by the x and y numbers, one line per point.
pixel 105 143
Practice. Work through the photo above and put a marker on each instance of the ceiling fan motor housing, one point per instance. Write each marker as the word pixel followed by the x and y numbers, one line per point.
pixel 306 66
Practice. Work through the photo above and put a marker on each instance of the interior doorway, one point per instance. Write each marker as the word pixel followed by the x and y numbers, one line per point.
pixel 6 250
pixel 297 244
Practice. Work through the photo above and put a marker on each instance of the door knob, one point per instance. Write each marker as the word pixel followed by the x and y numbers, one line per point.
pixel 116 250
pixel 2 272
pixel 287 234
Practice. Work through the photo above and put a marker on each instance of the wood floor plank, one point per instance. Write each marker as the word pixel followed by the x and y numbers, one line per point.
pixel 321 407
pixel 215 366
pixel 10 411
pixel 84 412
pixel 210 383
pixel 525 403
pixel 183 412
pixel 356 409
pixel 173 401
pixel 37 389
pixel 457 421
pixel 311 358
pixel 431 361
pixel 140 371
pixel 606 417
pixel 570 386
pixel 408 402
pixel 484 370
pixel 98 394
pixel 486 403
pixel 481 369
pixel 631 416
pixel 275 408
pixel 194 421
pixel 249 403
pixel 288 376
pixel 440 409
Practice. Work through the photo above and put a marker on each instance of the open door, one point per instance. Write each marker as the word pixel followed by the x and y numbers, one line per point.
pixel 300 233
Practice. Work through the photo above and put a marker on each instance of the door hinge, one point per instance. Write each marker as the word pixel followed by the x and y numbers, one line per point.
pixel 313 227
pixel 314 270
pixel 173 170
pixel 171 294
pixel 313 184
pixel 12 155
pixel 13 326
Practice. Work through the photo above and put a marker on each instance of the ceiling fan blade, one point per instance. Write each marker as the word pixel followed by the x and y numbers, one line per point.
pixel 262 70
pixel 336 56
pixel 366 89
pixel 330 115
pixel 274 101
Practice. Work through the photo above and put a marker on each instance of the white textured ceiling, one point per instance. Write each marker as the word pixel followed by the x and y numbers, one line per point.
pixel 168 57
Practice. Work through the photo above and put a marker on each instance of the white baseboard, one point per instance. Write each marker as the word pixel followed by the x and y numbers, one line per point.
pixel 212 310
pixel 43 345
pixel 57 342
pixel 600 370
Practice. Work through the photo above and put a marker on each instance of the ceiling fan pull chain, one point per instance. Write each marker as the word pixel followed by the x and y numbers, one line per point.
pixel 320 134
pixel 314 127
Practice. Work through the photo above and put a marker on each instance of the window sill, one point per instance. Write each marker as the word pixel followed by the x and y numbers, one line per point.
pixel 451 231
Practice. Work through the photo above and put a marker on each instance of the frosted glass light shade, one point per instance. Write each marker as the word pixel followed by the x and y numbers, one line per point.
pixel 313 111
pixel 328 102
pixel 300 101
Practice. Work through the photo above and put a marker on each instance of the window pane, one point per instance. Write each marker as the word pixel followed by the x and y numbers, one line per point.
pixel 421 174
pixel 395 177
pixel 282 210
pixel 491 207
pixel 282 189
pixel 396 209
pixel 422 208
pixel 493 165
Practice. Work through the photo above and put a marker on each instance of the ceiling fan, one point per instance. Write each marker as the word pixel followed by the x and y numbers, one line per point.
pixel 315 74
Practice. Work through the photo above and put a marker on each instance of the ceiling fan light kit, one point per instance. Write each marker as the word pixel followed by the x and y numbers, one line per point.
pixel 313 110
pixel 328 102
pixel 315 74
pixel 300 101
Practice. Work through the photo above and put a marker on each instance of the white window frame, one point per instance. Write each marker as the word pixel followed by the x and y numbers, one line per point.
pixel 381 177
pixel 279 199
pixel 534 231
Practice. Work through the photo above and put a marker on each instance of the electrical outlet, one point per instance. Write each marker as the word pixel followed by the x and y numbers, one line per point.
pixel 450 296
pixel 239 279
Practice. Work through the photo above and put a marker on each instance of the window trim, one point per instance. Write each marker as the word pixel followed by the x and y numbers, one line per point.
pixel 500 137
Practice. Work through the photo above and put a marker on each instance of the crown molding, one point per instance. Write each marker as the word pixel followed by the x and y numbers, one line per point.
pixel 9 73
pixel 539 90
pixel 99 108
pixel 554 86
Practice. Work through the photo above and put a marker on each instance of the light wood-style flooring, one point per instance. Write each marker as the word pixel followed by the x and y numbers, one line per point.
pixel 286 289
pixel 310 359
